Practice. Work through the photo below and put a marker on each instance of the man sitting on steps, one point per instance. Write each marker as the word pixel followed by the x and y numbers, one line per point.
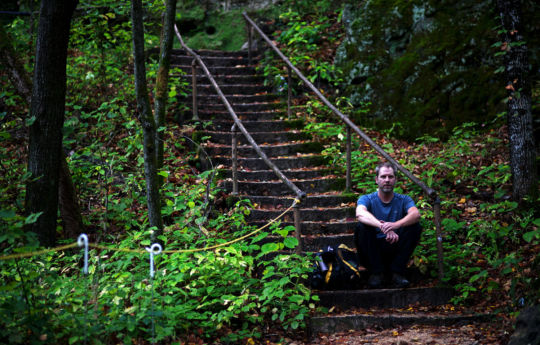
pixel 388 229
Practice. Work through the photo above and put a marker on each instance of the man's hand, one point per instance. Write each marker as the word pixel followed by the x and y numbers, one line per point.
pixel 392 237
pixel 389 226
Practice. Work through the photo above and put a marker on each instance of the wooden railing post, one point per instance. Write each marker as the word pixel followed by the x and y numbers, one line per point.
pixel 289 92
pixel 348 184
pixel 298 227
pixel 194 89
pixel 438 233
pixel 234 158
pixel 250 40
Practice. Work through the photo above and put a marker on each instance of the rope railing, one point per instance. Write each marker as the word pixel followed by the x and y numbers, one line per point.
pixel 84 241
pixel 352 126
pixel 239 126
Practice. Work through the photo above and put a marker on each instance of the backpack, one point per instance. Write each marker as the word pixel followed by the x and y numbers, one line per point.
pixel 336 268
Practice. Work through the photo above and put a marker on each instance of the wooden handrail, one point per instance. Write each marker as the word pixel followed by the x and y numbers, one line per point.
pixel 428 190
pixel 299 193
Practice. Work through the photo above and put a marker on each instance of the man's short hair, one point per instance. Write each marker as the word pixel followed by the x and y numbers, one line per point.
pixel 385 165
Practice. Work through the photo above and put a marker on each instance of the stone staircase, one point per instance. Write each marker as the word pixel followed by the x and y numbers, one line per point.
pixel 327 213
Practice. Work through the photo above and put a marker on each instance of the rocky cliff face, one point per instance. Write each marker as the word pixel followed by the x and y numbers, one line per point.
pixel 424 63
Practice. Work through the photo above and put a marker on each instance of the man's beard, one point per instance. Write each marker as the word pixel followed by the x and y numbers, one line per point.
pixel 387 188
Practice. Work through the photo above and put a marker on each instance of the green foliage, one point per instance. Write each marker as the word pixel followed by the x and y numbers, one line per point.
pixel 215 30
pixel 224 293
pixel 301 41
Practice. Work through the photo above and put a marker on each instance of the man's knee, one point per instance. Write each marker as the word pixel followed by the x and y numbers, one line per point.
pixel 413 231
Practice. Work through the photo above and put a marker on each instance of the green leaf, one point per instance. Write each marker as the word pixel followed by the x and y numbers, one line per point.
pixel 269 247
pixel 31 219
pixel 529 236
pixel 291 242
pixel 30 121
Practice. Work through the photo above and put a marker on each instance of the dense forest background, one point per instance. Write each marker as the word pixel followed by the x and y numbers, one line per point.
pixel 426 78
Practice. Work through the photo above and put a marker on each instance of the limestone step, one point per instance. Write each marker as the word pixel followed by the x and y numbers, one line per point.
pixel 275 150
pixel 385 298
pixel 222 80
pixel 315 243
pixel 255 126
pixel 259 137
pixel 262 175
pixel 311 201
pixel 210 61
pixel 219 115
pixel 246 106
pixel 283 163
pixel 307 214
pixel 344 323
pixel 208 52
pixel 280 188
pixel 214 99
pixel 335 226
pixel 236 89
pixel 216 70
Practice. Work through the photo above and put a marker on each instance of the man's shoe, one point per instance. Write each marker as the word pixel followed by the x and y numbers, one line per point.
pixel 375 281
pixel 400 281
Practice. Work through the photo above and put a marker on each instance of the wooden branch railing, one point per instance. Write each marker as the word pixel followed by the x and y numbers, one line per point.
pixel 351 126
pixel 300 195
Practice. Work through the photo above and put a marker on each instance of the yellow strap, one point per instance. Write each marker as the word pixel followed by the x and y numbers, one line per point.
pixel 346 263
pixel 328 274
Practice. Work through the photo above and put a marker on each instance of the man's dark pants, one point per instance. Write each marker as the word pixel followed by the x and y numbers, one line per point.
pixel 378 255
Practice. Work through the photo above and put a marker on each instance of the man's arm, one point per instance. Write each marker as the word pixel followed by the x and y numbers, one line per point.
pixel 365 217
pixel 412 217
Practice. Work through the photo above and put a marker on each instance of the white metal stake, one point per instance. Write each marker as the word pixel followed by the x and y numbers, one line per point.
pixel 154 249
pixel 83 240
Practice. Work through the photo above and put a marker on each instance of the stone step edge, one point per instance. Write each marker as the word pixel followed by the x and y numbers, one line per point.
pixel 344 323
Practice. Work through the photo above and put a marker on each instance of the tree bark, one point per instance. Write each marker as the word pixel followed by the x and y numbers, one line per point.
pixel 520 124
pixel 47 113
pixel 147 122
pixel 162 82
pixel 70 211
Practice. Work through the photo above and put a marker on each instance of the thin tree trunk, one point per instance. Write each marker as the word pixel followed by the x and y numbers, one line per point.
pixel 47 113
pixel 14 67
pixel 162 82
pixel 520 127
pixel 70 211
pixel 147 122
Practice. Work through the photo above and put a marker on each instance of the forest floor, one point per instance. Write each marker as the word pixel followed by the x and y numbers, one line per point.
pixel 469 334
pixel 495 332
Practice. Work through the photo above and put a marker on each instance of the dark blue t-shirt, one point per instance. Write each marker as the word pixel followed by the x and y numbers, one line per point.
pixel 391 212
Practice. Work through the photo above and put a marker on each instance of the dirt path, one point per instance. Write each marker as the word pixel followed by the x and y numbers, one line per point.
pixel 474 334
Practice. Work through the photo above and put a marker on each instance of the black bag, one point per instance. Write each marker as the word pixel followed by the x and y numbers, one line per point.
pixel 336 268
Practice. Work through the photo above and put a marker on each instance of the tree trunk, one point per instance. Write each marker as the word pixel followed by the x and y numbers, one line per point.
pixel 47 113
pixel 162 82
pixel 70 211
pixel 520 127
pixel 147 122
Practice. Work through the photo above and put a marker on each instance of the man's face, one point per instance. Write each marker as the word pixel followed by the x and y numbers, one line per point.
pixel 386 179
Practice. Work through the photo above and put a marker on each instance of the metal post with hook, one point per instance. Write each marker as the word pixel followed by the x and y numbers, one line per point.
pixel 297 225
pixel 194 90
pixel 234 158
pixel 348 184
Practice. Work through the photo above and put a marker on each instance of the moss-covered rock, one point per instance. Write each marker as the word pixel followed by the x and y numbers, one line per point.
pixel 428 64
